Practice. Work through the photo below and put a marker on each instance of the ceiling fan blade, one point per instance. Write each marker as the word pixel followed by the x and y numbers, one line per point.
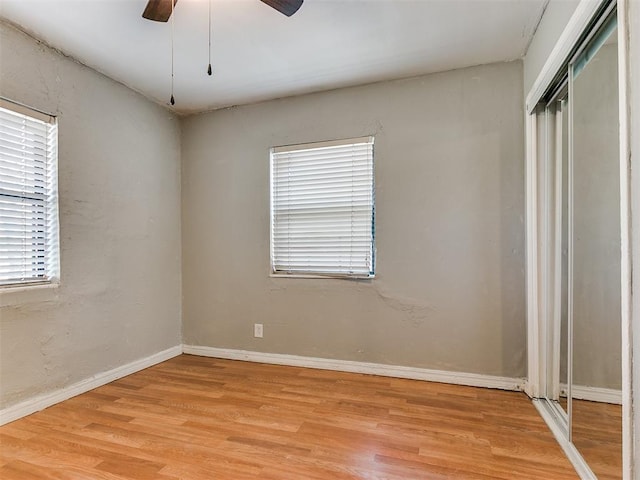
pixel 286 7
pixel 158 10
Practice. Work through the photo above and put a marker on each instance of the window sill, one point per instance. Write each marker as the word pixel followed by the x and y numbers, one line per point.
pixel 320 277
pixel 21 287
pixel 28 294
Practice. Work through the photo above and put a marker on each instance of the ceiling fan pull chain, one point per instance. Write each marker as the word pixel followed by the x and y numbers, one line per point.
pixel 209 71
pixel 172 101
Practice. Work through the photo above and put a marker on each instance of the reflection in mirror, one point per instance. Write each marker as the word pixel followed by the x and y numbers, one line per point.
pixel 558 121
pixel 594 212
pixel 563 178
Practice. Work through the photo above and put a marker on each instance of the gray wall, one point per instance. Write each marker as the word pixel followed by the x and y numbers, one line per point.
pixel 119 184
pixel 552 24
pixel 449 291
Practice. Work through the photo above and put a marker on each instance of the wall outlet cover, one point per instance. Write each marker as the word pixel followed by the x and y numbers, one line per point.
pixel 257 330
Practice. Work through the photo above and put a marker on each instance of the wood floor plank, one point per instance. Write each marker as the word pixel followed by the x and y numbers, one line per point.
pixel 203 418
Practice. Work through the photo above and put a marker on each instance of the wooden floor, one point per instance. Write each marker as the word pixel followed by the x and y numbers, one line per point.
pixel 201 418
pixel 597 434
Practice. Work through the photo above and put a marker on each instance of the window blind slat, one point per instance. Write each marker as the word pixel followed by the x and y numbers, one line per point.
pixel 323 200
pixel 21 184
pixel 298 188
pixel 19 213
pixel 291 174
pixel 28 209
pixel 327 229
pixel 329 154
pixel 333 161
pixel 26 125
pixel 19 157
pixel 16 266
pixel 20 260
pixel 20 141
pixel 22 167
pixel 322 204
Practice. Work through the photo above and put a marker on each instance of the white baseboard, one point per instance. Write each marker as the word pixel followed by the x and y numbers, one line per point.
pixel 41 402
pixel 413 373
pixel 595 394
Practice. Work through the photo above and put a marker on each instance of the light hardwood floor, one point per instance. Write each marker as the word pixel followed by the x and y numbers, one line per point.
pixel 202 418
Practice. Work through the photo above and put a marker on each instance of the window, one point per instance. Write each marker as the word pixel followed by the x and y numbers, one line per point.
pixel 322 209
pixel 28 196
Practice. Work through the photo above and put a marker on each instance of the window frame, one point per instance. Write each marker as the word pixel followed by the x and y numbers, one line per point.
pixel 52 242
pixel 320 275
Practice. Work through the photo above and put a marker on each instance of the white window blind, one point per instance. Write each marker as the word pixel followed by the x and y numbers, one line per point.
pixel 322 208
pixel 28 196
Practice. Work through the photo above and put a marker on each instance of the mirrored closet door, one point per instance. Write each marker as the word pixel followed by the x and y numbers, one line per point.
pixel 579 250
pixel 596 377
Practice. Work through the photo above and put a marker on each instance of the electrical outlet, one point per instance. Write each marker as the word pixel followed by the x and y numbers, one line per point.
pixel 257 330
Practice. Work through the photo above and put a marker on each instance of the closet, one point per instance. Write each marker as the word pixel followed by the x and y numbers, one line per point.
pixel 575 248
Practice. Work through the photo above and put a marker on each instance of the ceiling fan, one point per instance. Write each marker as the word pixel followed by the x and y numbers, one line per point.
pixel 160 10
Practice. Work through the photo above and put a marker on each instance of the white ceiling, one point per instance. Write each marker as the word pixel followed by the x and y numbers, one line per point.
pixel 259 54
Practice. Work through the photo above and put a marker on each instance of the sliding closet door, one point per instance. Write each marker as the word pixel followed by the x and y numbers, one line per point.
pixel 595 254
